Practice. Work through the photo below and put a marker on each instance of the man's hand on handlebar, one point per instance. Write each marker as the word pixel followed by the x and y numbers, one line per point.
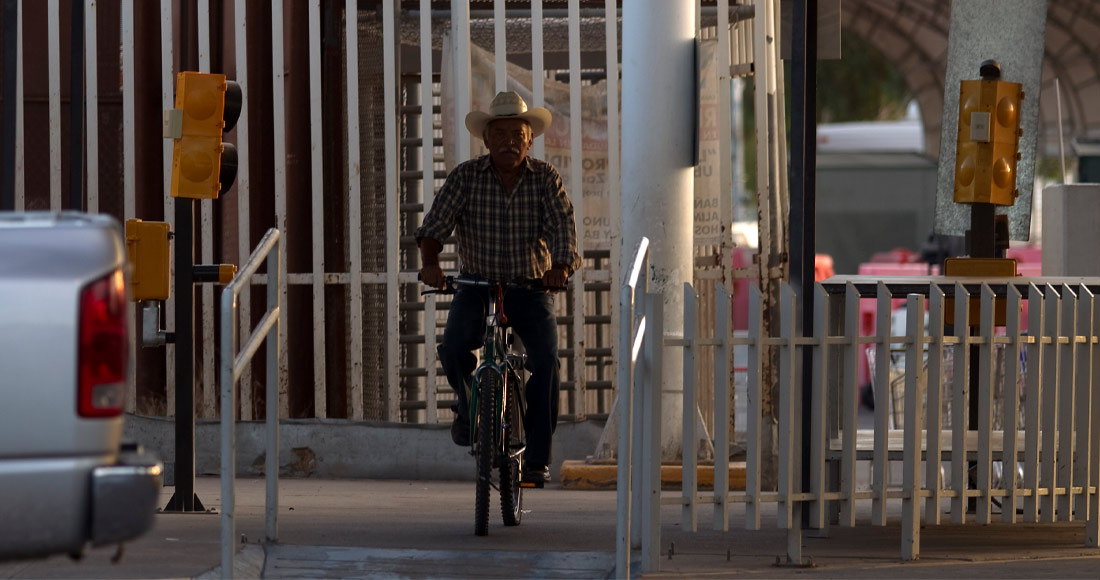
pixel 555 278
pixel 433 276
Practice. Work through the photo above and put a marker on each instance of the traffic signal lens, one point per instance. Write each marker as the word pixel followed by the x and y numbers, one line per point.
pixel 1007 114
pixel 967 164
pixel 201 103
pixel 1004 174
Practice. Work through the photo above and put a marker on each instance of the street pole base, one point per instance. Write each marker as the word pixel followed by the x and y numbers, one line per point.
pixel 785 562
pixel 175 505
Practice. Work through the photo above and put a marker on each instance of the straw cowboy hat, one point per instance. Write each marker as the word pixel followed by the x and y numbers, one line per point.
pixel 509 105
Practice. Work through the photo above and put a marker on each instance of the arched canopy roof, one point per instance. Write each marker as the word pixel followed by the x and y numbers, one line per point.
pixel 913 34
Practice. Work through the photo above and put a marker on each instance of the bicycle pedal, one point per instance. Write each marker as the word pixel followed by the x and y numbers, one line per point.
pixel 533 484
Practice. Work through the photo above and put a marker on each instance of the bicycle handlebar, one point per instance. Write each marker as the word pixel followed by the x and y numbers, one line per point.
pixel 451 283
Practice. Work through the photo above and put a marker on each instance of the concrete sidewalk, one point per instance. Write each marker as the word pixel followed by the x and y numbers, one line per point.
pixel 424 529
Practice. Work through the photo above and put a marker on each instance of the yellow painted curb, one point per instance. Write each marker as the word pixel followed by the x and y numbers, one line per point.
pixel 578 474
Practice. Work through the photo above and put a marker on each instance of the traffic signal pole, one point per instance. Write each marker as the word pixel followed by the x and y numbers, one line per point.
pixel 185 499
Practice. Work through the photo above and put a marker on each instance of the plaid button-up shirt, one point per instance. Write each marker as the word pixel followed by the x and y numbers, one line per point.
pixel 505 235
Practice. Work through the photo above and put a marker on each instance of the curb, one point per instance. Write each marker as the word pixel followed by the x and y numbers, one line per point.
pixel 603 475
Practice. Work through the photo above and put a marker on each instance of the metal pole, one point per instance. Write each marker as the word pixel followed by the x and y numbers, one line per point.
pixel 803 206
pixel 11 51
pixel 185 499
pixel 228 424
pixel 271 466
pixel 76 106
pixel 658 88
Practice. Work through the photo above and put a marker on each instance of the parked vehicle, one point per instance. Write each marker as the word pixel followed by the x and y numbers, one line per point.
pixel 66 481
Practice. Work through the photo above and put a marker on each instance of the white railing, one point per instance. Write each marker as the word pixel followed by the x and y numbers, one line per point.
pixel 635 334
pixel 232 364
pixel 1038 411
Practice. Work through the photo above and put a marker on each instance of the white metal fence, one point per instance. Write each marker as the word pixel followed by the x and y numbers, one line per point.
pixel 1045 427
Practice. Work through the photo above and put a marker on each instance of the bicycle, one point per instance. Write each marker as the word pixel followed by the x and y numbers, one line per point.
pixel 498 406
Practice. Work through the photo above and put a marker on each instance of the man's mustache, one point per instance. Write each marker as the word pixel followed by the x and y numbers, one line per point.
pixel 508 149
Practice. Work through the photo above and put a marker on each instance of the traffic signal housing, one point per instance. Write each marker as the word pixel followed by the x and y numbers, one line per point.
pixel 987 148
pixel 207 106
pixel 150 259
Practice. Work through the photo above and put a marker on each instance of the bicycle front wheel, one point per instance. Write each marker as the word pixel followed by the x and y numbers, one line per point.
pixel 511 494
pixel 484 449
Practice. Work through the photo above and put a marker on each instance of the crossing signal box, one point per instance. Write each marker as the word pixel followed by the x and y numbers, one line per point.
pixel 988 140
pixel 147 245
pixel 207 106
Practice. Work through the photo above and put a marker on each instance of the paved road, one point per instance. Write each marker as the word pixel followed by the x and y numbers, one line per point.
pixel 424 529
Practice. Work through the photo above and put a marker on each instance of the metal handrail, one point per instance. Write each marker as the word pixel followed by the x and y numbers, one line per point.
pixel 231 365
pixel 631 335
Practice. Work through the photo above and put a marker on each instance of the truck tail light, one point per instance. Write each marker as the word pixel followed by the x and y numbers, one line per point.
pixel 103 349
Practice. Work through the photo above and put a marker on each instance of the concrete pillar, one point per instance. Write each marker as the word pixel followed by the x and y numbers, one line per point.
pixel 1071 230
pixel 658 140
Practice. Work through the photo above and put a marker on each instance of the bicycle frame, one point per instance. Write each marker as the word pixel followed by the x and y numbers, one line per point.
pixel 496 358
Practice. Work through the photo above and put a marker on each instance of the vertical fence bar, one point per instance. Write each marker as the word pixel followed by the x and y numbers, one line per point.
pixel 460 32
pixel 651 446
pixel 756 352
pixel 129 172
pixel 500 46
pixel 576 183
pixel 1067 361
pixel 274 383
pixel 788 378
pixel 721 409
pixel 688 456
pixel 355 222
pixel 914 415
pixel 1082 405
pixel 819 434
pixel 614 193
pixel 228 429
pixel 638 444
pixel 1011 393
pixel 393 233
pixel 1033 391
pixel 53 48
pixel 537 84
pixel 317 211
pixel 1092 528
pixel 1051 364
pixel 986 371
pixel 932 458
pixel 850 406
pixel 91 106
pixel 206 231
pixel 959 404
pixel 167 101
pixel 427 195
pixel 20 156
pixel 623 487
pixel 243 189
pixel 880 466
pixel 278 89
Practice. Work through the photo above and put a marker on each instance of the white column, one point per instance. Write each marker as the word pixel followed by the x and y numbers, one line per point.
pixel 659 117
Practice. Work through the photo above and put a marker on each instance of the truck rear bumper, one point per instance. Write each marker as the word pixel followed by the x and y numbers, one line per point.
pixel 124 497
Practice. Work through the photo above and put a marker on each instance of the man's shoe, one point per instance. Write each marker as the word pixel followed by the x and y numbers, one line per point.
pixel 535 474
pixel 460 432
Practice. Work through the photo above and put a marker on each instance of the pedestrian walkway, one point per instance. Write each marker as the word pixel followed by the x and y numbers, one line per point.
pixel 424 529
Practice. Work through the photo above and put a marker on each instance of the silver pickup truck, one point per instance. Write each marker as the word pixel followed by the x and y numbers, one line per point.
pixel 66 480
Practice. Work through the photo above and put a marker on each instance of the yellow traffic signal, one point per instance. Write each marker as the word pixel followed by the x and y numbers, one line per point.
pixel 988 139
pixel 206 106
pixel 147 245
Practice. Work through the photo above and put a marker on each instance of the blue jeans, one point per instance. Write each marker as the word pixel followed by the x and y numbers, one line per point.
pixel 531 315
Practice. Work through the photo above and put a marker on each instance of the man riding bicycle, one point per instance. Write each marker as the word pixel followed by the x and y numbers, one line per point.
pixel 513 220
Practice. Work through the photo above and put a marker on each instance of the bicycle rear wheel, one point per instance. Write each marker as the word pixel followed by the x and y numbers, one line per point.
pixel 484 450
pixel 511 493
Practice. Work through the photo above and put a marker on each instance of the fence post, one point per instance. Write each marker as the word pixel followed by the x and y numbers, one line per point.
pixel 914 391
